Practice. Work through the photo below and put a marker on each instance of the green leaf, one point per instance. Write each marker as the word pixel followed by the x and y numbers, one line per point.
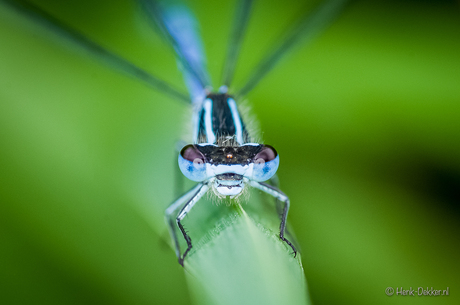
pixel 244 263
pixel 237 255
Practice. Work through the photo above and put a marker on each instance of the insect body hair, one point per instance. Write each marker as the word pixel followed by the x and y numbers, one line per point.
pixel 217 198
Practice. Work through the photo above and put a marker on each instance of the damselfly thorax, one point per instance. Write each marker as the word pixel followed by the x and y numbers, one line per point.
pixel 222 153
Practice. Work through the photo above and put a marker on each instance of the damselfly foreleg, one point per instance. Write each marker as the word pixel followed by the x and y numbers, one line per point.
pixel 273 191
pixel 274 181
pixel 187 202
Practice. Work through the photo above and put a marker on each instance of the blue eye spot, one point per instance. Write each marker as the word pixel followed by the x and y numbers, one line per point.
pixel 263 171
pixel 191 163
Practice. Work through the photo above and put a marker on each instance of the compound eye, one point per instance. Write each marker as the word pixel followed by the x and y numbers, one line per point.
pixel 191 153
pixel 266 163
pixel 192 163
pixel 267 154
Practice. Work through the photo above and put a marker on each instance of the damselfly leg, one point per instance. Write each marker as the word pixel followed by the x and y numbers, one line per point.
pixel 185 203
pixel 275 192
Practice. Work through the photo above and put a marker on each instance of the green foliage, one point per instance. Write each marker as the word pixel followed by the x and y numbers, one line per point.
pixel 365 121
pixel 242 262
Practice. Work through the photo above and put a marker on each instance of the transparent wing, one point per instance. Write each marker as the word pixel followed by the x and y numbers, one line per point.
pixel 181 30
pixel 304 31
pixel 240 23
pixel 65 32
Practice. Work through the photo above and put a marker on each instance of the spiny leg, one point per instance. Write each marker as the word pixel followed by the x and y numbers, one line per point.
pixel 275 182
pixel 170 218
pixel 187 207
pixel 271 190
pixel 187 201
pixel 178 188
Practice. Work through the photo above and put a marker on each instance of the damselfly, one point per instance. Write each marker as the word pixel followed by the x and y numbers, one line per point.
pixel 223 157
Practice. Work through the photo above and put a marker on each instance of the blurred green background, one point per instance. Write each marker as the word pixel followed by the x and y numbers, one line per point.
pixel 366 120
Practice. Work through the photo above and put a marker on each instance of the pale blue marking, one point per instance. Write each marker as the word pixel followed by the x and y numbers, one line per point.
pixel 191 170
pixel 236 120
pixel 210 136
pixel 264 171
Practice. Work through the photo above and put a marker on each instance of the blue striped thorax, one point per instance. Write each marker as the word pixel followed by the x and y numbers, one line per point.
pixel 222 152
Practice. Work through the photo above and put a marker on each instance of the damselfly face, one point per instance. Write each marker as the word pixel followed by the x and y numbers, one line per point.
pixel 228 168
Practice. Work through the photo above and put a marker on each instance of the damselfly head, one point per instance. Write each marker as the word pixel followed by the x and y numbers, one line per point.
pixel 228 167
